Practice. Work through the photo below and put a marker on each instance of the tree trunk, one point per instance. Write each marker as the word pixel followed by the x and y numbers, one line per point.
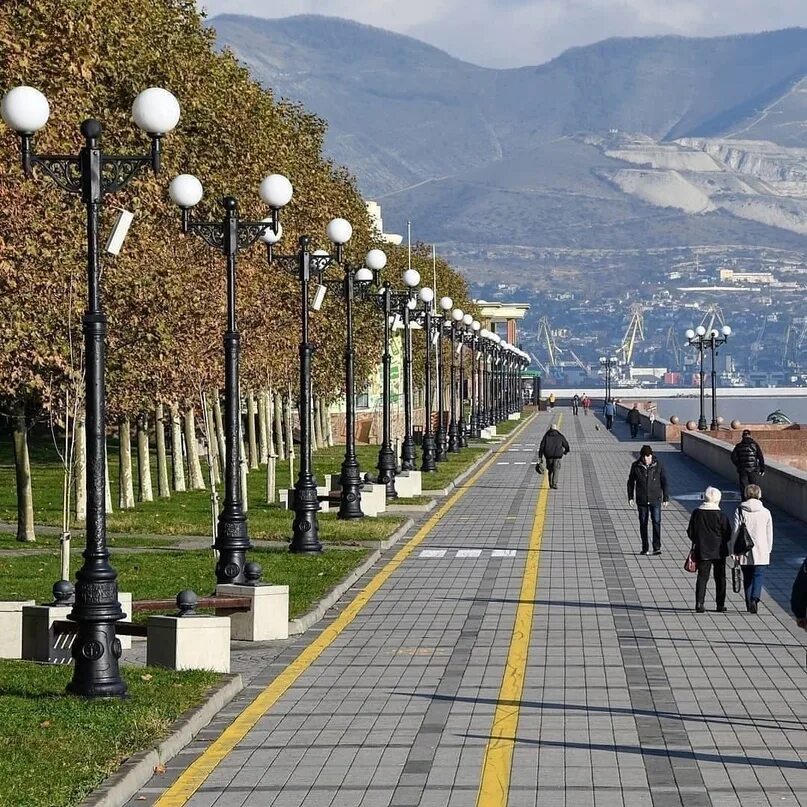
pixel 219 422
pixel 163 488
pixel 251 435
pixel 277 409
pixel 197 480
pixel 213 448
pixel 177 461
pixel 107 486
pixel 316 441
pixel 126 500
pixel 289 425
pixel 80 468
pixel 327 431
pixel 22 466
pixel 244 474
pixel 144 493
pixel 263 443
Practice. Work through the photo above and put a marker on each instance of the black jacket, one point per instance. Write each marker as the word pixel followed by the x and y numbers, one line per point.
pixel 747 455
pixel 710 533
pixel 798 599
pixel 553 446
pixel 633 417
pixel 648 482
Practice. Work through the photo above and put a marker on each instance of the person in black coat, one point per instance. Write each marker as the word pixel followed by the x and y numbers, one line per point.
pixel 749 461
pixel 633 419
pixel 647 486
pixel 710 532
pixel 798 598
pixel 553 448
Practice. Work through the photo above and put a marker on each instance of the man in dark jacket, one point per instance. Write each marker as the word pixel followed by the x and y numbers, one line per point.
pixel 633 420
pixel 798 599
pixel 553 448
pixel 749 461
pixel 647 486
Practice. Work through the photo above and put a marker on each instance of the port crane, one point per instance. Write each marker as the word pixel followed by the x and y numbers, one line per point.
pixel 713 312
pixel 545 335
pixel 674 348
pixel 634 332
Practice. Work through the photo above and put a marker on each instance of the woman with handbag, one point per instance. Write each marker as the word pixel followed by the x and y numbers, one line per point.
pixel 710 532
pixel 753 542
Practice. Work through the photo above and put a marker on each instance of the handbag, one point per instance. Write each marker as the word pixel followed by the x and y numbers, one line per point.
pixel 743 543
pixel 539 467
pixel 691 563
pixel 736 578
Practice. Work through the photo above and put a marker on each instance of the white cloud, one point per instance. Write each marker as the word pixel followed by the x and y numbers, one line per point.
pixel 508 33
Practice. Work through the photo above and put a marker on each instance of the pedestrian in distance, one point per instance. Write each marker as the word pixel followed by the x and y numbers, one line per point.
pixel 759 523
pixel 575 404
pixel 798 597
pixel 633 419
pixel 551 401
pixel 586 404
pixel 711 535
pixel 748 460
pixel 554 446
pixel 647 488
pixel 610 412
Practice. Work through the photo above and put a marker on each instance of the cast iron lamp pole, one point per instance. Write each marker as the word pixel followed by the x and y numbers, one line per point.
pixel 453 424
pixel 474 342
pixel 697 338
pixel 446 304
pixel 464 333
pixel 428 462
pixel 496 378
pixel 307 266
pixel 717 339
pixel 408 453
pixel 92 175
pixel 484 396
pixel 230 235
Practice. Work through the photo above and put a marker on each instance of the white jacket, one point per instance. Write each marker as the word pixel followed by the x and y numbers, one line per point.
pixel 760 525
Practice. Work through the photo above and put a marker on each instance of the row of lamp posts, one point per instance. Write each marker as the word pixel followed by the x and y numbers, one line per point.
pixel 702 339
pixel 495 365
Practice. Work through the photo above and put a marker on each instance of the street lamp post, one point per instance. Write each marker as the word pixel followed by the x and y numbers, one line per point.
pixel 464 332
pixel 428 463
pixel 93 175
pixel 446 304
pixel 453 427
pixel 229 236
pixel 408 453
pixel 608 363
pixel 698 338
pixel 474 424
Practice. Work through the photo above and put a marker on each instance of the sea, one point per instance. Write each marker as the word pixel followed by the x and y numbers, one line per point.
pixel 746 410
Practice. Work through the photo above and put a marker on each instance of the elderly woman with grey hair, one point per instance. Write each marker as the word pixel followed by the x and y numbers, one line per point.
pixel 758 522
pixel 710 532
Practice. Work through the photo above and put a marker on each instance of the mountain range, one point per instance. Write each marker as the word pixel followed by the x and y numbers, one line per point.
pixel 626 151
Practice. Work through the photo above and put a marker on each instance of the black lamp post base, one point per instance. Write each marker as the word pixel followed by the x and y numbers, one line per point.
pixel 702 424
pixel 232 543
pixel 96 651
pixel 408 454
pixel 350 495
pixel 305 529
pixel 453 438
pixel 429 463
pixel 440 446
pixel 463 434
pixel 386 471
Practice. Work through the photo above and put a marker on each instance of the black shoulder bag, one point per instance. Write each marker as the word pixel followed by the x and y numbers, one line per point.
pixel 743 543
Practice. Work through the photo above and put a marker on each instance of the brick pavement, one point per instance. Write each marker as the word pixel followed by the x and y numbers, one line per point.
pixel 630 698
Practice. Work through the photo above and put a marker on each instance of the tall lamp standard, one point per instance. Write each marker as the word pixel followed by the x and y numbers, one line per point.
pixel 496 379
pixel 307 266
pixel 428 463
pixel 229 236
pixel 446 304
pixel 93 175
pixel 608 362
pixel 453 423
pixel 464 329
pixel 408 453
pixel 473 340
pixel 697 338
pixel 484 379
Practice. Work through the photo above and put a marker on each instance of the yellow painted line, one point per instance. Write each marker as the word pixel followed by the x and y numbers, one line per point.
pixel 195 775
pixel 494 786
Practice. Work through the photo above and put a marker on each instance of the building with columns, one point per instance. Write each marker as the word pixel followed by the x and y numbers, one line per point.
pixel 502 318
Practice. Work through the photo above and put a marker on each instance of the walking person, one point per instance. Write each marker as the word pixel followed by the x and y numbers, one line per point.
pixel 575 404
pixel 710 532
pixel 551 401
pixel 553 448
pixel 586 404
pixel 748 460
pixel 798 597
pixel 609 411
pixel 633 419
pixel 759 523
pixel 647 488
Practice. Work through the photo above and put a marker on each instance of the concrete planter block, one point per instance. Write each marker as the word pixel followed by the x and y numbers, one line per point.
pixel 488 432
pixel 11 628
pixel 189 642
pixel 408 484
pixel 514 416
pixel 125 600
pixel 373 499
pixel 287 499
pixel 268 617
pixel 38 640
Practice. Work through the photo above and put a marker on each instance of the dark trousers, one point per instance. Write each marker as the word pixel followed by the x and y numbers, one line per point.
pixel 650 512
pixel 574 408
pixel 752 582
pixel 634 430
pixel 747 478
pixel 705 567
pixel 553 466
pixel 609 422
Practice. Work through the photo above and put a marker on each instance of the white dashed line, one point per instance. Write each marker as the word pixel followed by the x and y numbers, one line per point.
pixel 469 553
pixel 502 463
pixel 503 553
pixel 432 553
pixel 519 463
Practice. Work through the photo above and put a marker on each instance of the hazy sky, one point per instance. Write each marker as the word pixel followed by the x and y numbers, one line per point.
pixel 509 33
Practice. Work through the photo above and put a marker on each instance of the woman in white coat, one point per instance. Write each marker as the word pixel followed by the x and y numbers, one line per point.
pixel 759 524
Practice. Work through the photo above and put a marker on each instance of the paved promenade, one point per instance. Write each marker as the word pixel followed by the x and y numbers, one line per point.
pixel 517 650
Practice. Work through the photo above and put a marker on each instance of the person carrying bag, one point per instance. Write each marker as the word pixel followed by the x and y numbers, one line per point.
pixel 753 541
pixel 710 533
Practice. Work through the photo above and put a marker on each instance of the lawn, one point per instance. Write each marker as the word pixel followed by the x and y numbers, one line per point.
pixel 55 748
pixel 449 469
pixel 163 574
pixel 187 513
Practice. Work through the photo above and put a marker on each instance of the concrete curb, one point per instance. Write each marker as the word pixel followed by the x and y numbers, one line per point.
pixel 303 623
pixel 117 789
pixel 413 508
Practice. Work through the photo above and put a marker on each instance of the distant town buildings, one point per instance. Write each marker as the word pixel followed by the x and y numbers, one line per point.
pixel 751 278
pixel 502 318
